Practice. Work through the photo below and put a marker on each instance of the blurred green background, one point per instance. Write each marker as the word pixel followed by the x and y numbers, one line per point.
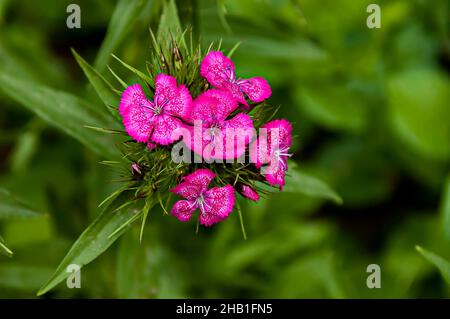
pixel 371 114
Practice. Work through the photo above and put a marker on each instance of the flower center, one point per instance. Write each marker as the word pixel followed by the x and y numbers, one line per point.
pixel 214 132
pixel 201 203
pixel 157 106
pixel 229 74
pixel 280 155
pixel 157 110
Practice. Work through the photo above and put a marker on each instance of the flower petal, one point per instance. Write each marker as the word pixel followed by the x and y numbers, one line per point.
pixel 201 177
pixel 182 105
pixel 187 190
pixel 284 130
pixel 237 134
pixel 183 210
pixel 165 88
pixel 261 149
pixel 164 129
pixel 225 140
pixel 176 100
pixel 276 177
pixel 257 88
pixel 136 115
pixel 208 110
pixel 217 68
pixel 236 92
pixel 226 102
pixel 219 202
pixel 194 140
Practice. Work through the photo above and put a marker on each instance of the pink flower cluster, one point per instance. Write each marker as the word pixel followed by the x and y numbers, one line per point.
pixel 224 107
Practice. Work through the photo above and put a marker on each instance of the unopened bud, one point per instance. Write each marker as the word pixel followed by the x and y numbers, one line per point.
pixel 136 169
pixel 176 54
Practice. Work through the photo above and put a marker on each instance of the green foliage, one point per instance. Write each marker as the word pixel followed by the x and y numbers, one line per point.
pixel 369 108
pixel 123 18
pixel 11 207
pixel 4 249
pixel 300 182
pixel 335 107
pixel 445 208
pixel 63 110
pixel 103 88
pixel 103 231
pixel 169 22
pixel 20 277
pixel 420 112
pixel 442 264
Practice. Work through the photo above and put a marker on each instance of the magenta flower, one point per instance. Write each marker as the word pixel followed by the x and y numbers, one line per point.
pixel 272 148
pixel 248 192
pixel 154 121
pixel 219 137
pixel 215 204
pixel 219 71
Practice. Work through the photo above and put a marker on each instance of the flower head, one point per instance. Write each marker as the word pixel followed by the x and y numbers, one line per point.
pixel 220 137
pixel 219 71
pixel 215 204
pixel 212 126
pixel 154 121
pixel 272 148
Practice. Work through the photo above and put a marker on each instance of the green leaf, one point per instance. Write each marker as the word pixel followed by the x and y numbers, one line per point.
pixel 103 88
pixel 298 181
pixel 122 82
pixel 169 23
pixel 134 274
pixel 123 18
pixel 441 264
pixel 420 112
pixel 334 107
pixel 62 110
pixel 4 249
pixel 265 47
pixel 445 208
pixel 96 238
pixel 11 207
pixel 313 275
pixel 141 75
pixel 26 146
pixel 148 269
pixel 23 277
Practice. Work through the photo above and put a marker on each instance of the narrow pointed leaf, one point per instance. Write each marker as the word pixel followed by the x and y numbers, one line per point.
pixel 134 273
pixel 141 75
pixel 103 88
pixel 169 23
pixel 62 110
pixel 125 14
pixel 122 82
pixel 11 207
pixel 441 264
pixel 22 277
pixel 96 238
pixel 445 208
pixel 298 181
pixel 4 249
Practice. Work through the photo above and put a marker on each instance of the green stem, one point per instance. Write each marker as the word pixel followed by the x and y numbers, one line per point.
pixel 241 219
